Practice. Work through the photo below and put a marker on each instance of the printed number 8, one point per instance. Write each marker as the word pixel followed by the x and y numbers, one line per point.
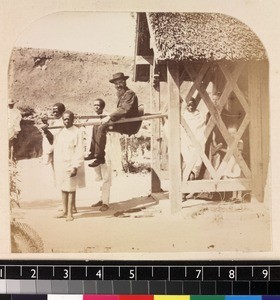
pixel 231 274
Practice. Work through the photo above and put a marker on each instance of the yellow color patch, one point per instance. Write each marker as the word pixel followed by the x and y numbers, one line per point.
pixel 171 297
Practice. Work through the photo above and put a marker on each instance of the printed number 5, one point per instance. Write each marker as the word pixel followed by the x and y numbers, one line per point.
pixel 131 274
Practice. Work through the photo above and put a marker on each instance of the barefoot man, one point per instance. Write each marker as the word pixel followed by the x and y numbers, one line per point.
pixel 68 155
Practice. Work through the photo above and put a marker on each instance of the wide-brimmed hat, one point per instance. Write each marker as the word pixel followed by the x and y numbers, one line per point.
pixel 11 101
pixel 117 76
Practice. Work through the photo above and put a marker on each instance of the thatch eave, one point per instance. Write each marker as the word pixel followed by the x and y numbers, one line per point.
pixel 202 36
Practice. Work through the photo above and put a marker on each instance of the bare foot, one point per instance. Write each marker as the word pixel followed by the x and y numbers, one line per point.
pixel 69 218
pixel 189 196
pixel 74 210
pixel 63 215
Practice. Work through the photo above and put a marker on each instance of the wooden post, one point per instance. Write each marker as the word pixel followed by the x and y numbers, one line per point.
pixel 175 195
pixel 255 130
pixel 155 138
pixel 164 142
pixel 265 119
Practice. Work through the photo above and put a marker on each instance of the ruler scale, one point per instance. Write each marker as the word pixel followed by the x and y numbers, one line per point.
pixel 142 277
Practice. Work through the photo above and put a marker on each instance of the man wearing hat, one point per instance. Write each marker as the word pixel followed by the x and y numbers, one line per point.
pixel 127 107
pixel 14 118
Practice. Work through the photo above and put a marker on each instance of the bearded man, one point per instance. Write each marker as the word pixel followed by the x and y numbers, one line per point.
pixel 127 107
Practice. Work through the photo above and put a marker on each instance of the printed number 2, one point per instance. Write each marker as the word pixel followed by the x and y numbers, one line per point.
pixel 33 273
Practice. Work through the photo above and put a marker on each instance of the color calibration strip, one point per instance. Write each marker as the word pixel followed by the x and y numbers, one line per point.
pixel 125 297
pixel 124 278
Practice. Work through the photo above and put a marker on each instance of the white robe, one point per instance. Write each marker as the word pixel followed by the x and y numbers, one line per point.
pixel 14 118
pixel 68 153
pixel 197 122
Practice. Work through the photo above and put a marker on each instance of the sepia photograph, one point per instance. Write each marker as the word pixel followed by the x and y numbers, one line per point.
pixel 150 140
pixel 139 132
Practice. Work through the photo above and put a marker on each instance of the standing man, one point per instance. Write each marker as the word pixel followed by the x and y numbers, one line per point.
pixel 57 111
pixel 14 118
pixel 68 157
pixel 103 172
pixel 196 121
pixel 127 107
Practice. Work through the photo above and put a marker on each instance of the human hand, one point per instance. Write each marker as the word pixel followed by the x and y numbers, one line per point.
pixel 45 127
pixel 105 120
pixel 73 172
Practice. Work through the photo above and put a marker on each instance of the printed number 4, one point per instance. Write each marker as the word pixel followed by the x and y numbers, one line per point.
pixel 99 274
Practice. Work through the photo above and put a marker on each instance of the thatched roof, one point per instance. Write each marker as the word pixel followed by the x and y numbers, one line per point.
pixel 202 36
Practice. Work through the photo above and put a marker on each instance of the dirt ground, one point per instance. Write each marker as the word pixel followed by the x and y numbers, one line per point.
pixel 136 222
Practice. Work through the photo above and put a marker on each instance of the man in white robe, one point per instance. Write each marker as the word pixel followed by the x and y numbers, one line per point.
pixel 104 172
pixel 68 157
pixel 14 118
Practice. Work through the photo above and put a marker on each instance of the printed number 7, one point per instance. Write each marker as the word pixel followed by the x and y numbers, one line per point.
pixel 198 273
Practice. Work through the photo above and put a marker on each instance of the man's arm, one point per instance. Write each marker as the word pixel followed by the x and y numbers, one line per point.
pixel 125 105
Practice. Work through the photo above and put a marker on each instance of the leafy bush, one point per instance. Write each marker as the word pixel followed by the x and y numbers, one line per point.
pixel 14 180
pixel 136 154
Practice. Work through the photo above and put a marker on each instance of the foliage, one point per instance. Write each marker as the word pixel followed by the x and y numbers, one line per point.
pixel 25 239
pixel 136 151
pixel 14 183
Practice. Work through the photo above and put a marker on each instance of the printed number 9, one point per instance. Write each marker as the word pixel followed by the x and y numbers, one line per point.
pixel 265 273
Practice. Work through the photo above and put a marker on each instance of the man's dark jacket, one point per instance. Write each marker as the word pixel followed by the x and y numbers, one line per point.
pixel 127 107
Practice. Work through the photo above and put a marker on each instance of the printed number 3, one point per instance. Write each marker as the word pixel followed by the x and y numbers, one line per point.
pixel 66 273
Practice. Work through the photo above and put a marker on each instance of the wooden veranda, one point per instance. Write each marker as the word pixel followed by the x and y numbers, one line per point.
pixel 178 70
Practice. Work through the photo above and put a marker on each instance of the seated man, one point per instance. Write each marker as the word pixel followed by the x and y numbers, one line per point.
pixel 127 107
